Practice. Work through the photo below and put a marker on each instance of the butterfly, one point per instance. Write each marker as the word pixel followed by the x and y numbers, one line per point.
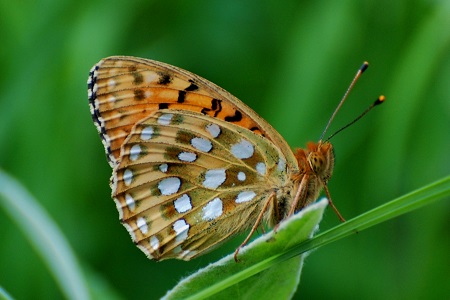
pixel 192 164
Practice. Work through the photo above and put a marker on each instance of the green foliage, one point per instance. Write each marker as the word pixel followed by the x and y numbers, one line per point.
pixel 291 61
pixel 226 279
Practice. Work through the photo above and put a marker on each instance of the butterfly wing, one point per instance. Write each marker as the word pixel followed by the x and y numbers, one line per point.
pixel 186 181
pixel 124 90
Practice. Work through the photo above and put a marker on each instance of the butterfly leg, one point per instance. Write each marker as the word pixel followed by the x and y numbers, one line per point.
pixel 301 193
pixel 272 197
pixel 327 192
pixel 299 197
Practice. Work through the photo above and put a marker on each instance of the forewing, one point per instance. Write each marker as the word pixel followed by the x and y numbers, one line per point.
pixel 124 90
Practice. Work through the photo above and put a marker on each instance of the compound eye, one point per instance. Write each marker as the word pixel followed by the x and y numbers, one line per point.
pixel 316 162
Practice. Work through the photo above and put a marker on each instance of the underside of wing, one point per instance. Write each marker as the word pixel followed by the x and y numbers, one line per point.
pixel 124 90
pixel 187 181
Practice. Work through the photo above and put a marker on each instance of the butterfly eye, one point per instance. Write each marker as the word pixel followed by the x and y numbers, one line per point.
pixel 317 162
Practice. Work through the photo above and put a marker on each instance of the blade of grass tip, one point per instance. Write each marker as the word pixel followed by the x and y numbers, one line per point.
pixel 44 235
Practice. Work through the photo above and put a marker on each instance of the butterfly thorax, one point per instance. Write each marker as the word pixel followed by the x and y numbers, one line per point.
pixel 316 164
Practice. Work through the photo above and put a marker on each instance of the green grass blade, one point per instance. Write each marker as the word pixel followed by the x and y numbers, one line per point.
pixel 44 235
pixel 4 295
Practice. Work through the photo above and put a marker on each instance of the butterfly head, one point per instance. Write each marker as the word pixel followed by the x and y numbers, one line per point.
pixel 317 160
pixel 315 167
pixel 320 158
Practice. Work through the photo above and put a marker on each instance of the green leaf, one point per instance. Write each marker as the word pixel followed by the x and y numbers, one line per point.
pixel 233 279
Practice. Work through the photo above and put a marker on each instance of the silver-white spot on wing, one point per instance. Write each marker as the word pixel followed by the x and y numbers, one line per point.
pixel 135 150
pixel 169 186
pixel 181 229
pixel 243 149
pixel 129 200
pixel 201 144
pixel 187 156
pixel 213 129
pixel 147 133
pixel 245 196
pixel 142 225
pixel 212 210
pixel 127 177
pixel 154 243
pixel 261 168
pixel 183 204
pixel 165 119
pixel 214 178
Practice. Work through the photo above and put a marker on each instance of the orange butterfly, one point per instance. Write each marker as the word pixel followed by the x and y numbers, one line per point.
pixel 192 164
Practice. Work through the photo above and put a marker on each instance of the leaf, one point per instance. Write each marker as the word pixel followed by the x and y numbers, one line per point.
pixel 224 278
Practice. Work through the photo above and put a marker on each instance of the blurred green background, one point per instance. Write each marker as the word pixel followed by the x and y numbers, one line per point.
pixel 291 61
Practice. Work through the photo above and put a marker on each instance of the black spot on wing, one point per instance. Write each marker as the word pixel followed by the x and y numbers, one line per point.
pixel 192 87
pixel 139 94
pixel 91 83
pixel 138 78
pixel 181 96
pixel 216 107
pixel 164 78
pixel 236 118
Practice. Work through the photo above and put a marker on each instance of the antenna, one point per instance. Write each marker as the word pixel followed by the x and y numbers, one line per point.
pixel 377 102
pixel 361 70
